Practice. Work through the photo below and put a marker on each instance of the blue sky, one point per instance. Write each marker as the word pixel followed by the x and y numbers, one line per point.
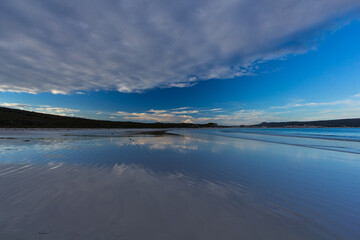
pixel 230 62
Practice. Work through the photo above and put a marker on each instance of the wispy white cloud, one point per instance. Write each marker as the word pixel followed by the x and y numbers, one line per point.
pixel 353 112
pixel 349 101
pixel 56 110
pixel 131 46
pixel 215 110
pixel 182 114
pixel 15 105
pixel 145 116
pixel 42 109
pixel 185 112
pixel 157 111
pixel 181 108
pixel 181 85
pixel 244 117
pixel 300 111
pixel 199 116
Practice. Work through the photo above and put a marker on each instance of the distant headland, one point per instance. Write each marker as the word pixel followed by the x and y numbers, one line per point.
pixel 15 118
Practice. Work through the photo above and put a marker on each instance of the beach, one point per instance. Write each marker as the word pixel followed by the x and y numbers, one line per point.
pixel 179 184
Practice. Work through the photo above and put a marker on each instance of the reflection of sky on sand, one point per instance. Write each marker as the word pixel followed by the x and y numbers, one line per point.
pixel 194 186
pixel 127 202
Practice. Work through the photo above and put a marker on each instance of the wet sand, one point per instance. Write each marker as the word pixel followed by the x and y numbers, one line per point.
pixel 127 184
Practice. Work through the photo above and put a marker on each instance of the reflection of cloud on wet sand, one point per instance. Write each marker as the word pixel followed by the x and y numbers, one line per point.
pixel 175 143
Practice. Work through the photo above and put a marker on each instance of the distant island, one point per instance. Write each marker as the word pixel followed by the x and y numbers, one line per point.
pixel 15 118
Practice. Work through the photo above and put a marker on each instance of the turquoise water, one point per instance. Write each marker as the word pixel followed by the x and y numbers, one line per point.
pixel 199 184
pixel 335 139
pixel 345 134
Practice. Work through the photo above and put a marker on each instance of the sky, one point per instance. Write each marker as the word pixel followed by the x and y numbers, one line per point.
pixel 231 61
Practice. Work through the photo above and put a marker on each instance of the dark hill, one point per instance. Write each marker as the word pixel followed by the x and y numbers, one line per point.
pixel 14 118
pixel 354 122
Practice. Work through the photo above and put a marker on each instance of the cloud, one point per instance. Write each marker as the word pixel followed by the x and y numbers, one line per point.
pixel 341 113
pixel 318 104
pixel 163 115
pixel 157 111
pixel 181 108
pixel 238 117
pixel 295 111
pixel 15 105
pixel 244 117
pixel 185 112
pixel 56 110
pixel 180 85
pixel 57 91
pixel 130 46
pixel 346 108
pixel 147 117
pixel 42 109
